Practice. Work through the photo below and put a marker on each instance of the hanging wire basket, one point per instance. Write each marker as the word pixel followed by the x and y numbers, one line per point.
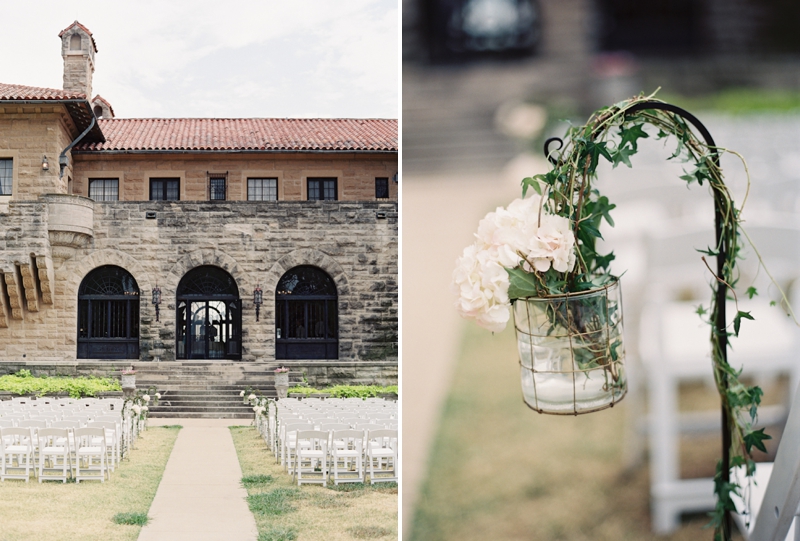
pixel 571 350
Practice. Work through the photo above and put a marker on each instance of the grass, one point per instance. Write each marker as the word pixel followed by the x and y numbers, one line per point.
pixel 284 511
pixel 134 519
pixel 500 471
pixel 89 511
pixel 739 101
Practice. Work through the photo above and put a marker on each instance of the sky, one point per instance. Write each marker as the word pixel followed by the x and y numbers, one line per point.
pixel 232 59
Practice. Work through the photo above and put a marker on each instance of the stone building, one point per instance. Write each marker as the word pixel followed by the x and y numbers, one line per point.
pixel 266 241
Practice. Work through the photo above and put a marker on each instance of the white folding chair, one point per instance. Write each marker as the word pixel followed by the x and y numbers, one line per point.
pixel 113 437
pixel 16 442
pixel 313 452
pixel 347 449
pixel 290 443
pixel 55 449
pixel 382 455
pixel 90 443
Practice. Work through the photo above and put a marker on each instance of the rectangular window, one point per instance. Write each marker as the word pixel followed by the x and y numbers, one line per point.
pixel 165 189
pixel 262 189
pixel 382 188
pixel 6 176
pixel 104 189
pixel 216 189
pixel 320 189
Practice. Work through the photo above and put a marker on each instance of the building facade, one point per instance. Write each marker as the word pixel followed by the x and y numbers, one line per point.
pixel 243 240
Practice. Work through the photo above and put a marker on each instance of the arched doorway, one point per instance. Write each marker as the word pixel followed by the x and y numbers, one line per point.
pixel 306 315
pixel 209 315
pixel 108 315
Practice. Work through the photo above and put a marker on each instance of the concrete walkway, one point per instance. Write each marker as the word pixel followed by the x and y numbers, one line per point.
pixel 200 497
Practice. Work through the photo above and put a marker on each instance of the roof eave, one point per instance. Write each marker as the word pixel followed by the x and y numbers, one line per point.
pixel 80 110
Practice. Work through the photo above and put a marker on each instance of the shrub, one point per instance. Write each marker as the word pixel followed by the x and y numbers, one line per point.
pixel 347 391
pixel 23 383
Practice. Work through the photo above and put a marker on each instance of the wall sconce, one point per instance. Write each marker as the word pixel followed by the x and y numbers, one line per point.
pixel 258 298
pixel 45 165
pixel 156 299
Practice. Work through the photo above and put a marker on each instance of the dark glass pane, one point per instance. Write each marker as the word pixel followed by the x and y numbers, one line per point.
pixel 207 280
pixel 217 189
pixel 173 190
pixel 6 176
pixel 333 326
pixel 313 190
pixel 156 190
pixel 280 319
pixel 381 188
pixel 104 189
pixel 134 318
pixel 306 280
pixel 99 319
pixel 83 319
pixel 297 321
pixel 109 280
pixel 316 319
pixel 330 190
pixel 181 331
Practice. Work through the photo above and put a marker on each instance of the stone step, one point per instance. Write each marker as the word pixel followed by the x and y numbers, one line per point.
pixel 203 415
pixel 200 409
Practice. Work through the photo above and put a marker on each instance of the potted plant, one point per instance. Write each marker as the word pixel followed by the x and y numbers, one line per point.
pixel 129 378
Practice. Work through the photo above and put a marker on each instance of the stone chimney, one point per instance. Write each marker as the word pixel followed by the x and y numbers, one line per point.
pixel 77 49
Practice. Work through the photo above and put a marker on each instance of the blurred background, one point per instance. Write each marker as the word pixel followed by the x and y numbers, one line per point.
pixel 485 82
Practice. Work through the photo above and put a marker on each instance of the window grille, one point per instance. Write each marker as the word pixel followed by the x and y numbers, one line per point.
pixel 382 188
pixel 104 189
pixel 262 189
pixel 6 176
pixel 217 186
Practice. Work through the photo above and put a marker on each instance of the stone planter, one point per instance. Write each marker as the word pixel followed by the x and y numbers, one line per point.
pixel 282 384
pixel 129 381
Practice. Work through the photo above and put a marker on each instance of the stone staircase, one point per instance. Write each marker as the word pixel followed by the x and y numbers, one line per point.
pixel 204 389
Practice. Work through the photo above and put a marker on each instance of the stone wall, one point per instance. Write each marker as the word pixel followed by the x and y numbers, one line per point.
pixel 256 242
pixel 27 134
pixel 355 172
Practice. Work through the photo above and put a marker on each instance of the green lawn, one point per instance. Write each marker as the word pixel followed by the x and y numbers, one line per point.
pixel 503 472
pixel 86 511
pixel 311 512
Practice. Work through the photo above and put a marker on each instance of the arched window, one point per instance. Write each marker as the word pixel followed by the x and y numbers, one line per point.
pixel 209 315
pixel 306 315
pixel 75 42
pixel 108 315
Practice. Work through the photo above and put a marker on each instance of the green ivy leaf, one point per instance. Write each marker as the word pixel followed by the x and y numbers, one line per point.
pixel 521 284
pixel 737 320
pixel 756 439
pixel 700 311
pixel 623 156
pixel 751 292
pixel 631 135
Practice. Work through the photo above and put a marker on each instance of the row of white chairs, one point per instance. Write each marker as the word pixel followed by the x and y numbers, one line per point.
pixel 122 428
pixel 345 429
pixel 58 452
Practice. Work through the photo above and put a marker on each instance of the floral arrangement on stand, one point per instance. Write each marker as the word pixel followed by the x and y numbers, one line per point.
pixel 538 258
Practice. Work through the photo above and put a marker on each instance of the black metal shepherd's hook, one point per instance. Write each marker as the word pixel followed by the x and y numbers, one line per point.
pixel 721 258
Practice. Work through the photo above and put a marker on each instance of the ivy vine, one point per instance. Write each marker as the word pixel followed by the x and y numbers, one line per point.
pixel 613 134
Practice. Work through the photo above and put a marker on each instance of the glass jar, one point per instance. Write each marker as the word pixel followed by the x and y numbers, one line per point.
pixel 571 350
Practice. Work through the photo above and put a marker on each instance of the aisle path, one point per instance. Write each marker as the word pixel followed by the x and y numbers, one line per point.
pixel 200 497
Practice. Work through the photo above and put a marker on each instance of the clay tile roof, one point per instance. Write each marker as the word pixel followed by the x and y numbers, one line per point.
pixel 265 134
pixel 79 25
pixel 22 92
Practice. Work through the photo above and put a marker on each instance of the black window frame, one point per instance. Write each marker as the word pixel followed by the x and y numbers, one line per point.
pixel 252 192
pixel 381 187
pixel 296 310
pixel 218 188
pixel 321 188
pixel 94 181
pixel 165 182
pixel 7 165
